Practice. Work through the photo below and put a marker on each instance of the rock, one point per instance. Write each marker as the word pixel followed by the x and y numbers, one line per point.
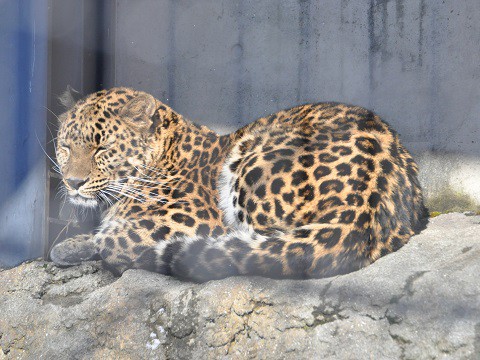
pixel 421 302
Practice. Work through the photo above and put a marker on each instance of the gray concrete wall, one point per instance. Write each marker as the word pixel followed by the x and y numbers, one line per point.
pixel 225 63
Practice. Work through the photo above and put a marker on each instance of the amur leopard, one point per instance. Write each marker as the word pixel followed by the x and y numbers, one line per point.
pixel 313 191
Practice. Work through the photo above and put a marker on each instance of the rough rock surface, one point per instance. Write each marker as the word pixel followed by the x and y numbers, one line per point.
pixel 422 302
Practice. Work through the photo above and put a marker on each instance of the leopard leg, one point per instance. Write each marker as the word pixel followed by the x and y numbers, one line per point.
pixel 75 250
pixel 121 243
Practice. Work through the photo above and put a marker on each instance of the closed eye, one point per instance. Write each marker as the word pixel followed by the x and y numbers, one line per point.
pixel 65 148
pixel 100 149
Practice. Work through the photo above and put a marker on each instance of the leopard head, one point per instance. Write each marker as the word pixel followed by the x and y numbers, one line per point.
pixel 103 140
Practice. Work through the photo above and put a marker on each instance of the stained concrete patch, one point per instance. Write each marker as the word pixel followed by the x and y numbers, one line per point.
pixel 421 302
pixel 451 182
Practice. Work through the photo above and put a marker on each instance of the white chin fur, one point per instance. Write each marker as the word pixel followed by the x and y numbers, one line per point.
pixel 80 201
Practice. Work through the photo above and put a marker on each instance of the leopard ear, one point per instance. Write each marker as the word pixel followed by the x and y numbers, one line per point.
pixel 69 97
pixel 139 111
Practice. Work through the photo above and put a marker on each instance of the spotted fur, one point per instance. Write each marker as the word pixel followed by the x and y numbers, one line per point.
pixel 313 191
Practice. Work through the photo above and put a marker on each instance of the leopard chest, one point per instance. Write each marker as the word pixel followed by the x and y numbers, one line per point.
pixel 184 203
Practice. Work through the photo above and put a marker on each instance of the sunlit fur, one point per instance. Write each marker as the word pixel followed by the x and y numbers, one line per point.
pixel 312 191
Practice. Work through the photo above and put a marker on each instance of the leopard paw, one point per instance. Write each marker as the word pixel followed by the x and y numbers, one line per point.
pixel 73 251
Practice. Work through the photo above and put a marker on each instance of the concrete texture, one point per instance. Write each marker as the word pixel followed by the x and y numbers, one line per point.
pixel 422 302
pixel 226 63
pixel 451 182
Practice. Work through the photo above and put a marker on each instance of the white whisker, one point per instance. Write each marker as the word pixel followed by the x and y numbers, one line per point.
pixel 57 167
pixel 51 112
pixel 122 192
pixel 158 170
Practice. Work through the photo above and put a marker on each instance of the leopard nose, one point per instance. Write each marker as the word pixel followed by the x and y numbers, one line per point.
pixel 75 183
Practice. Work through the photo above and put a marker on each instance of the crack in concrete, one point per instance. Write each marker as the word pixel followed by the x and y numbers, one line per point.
pixel 476 341
pixel 408 287
pixel 401 342
pixel 13 345
pixel 326 312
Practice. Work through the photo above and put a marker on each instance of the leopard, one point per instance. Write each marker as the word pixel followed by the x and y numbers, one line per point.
pixel 314 191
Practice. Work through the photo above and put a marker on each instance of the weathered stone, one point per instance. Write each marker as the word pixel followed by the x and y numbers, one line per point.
pixel 421 302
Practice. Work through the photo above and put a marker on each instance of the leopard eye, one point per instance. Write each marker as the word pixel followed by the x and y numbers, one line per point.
pixel 100 149
pixel 65 148
pixel 62 154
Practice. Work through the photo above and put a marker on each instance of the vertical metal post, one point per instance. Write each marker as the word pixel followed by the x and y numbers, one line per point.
pixel 23 64
pixel 81 43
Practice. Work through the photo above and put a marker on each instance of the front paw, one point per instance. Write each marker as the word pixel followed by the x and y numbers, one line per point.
pixel 72 252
